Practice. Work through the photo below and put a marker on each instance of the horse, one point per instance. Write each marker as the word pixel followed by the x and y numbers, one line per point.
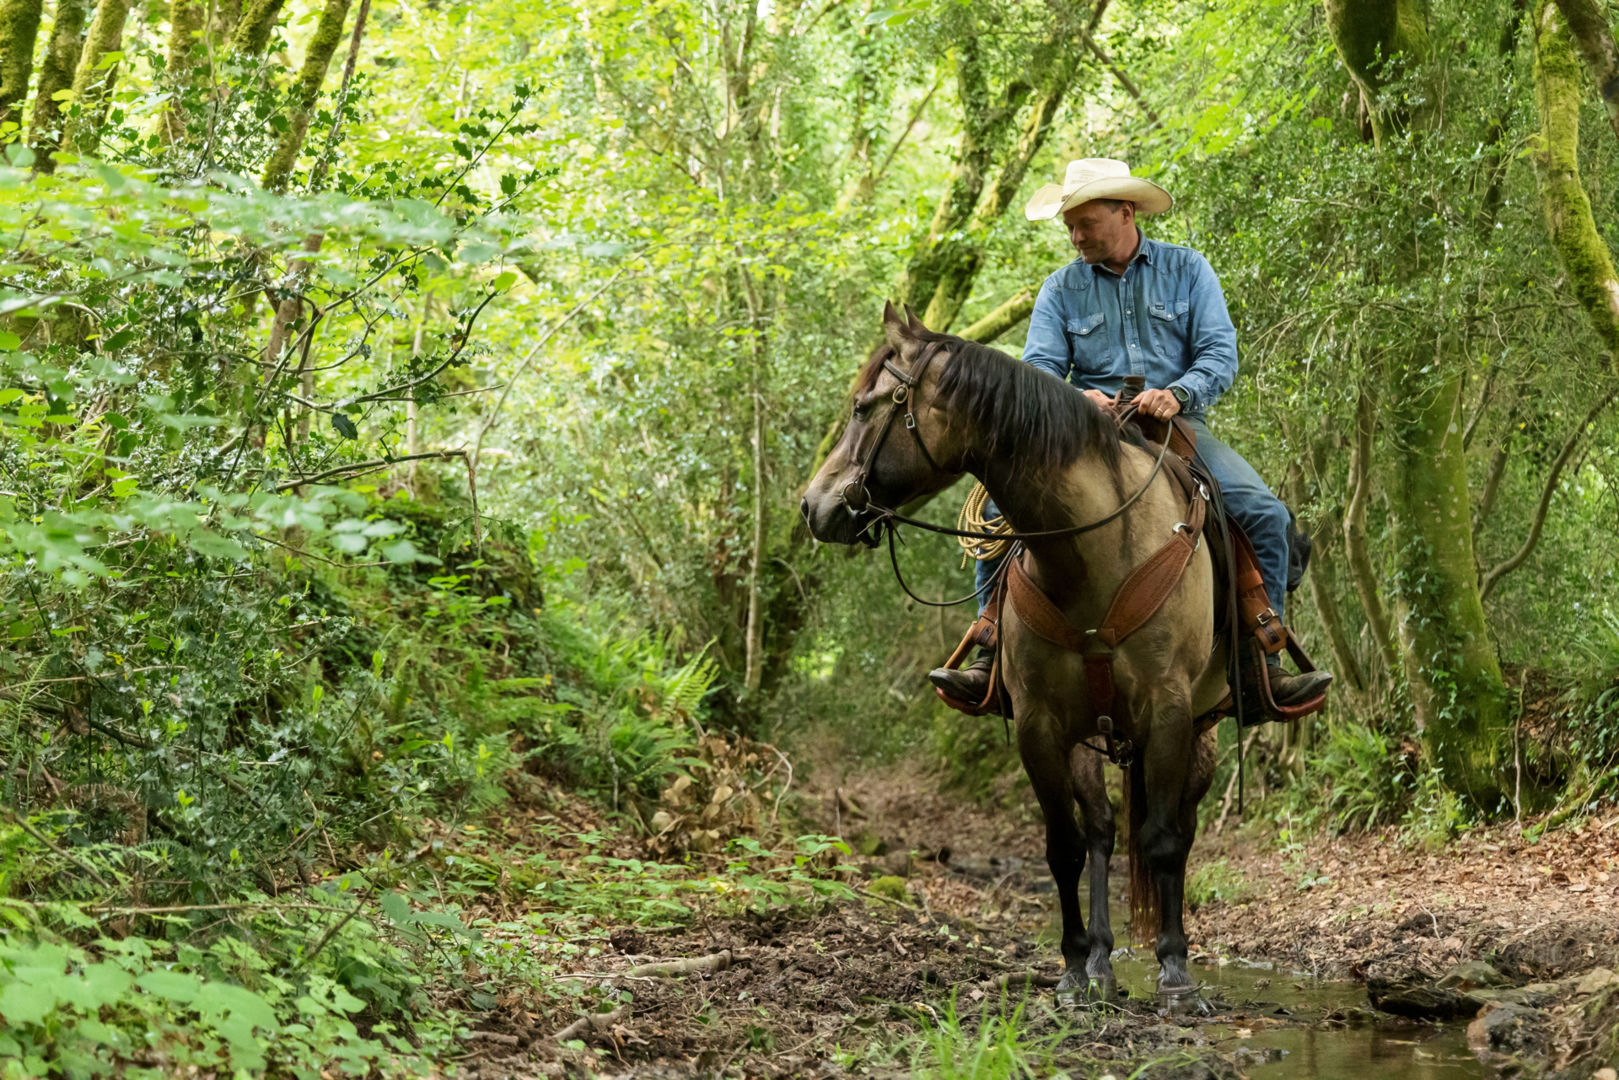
pixel 1052 460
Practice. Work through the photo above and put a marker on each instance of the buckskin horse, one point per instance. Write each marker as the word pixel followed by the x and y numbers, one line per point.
pixel 1058 465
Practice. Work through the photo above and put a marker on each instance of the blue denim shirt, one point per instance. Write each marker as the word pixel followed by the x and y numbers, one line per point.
pixel 1164 317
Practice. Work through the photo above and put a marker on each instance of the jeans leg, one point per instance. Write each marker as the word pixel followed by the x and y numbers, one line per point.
pixel 1256 508
pixel 984 572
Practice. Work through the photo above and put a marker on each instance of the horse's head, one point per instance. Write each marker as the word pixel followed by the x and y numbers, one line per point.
pixel 898 444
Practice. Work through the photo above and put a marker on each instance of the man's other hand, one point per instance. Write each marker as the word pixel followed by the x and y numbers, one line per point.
pixel 1159 404
pixel 1099 399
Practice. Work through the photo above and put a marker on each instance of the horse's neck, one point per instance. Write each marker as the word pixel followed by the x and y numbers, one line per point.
pixel 1084 492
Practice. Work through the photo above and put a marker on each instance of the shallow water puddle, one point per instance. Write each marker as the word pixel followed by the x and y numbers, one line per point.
pixel 1279 1023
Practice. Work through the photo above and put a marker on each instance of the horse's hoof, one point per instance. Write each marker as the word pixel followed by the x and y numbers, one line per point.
pixel 1183 1001
pixel 1103 989
pixel 1070 983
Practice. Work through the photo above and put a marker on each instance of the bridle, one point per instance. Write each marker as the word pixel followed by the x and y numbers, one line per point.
pixel 904 395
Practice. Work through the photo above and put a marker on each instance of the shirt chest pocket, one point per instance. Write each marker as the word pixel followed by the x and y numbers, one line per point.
pixel 1088 342
pixel 1168 310
pixel 1168 325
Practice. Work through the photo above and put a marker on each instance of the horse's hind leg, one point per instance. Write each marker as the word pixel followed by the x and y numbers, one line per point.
pixel 1096 813
pixel 1045 763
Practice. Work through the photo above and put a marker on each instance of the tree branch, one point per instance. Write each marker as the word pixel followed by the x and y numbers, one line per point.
pixel 1119 75
pixel 1491 579
pixel 1007 315
pixel 1355 547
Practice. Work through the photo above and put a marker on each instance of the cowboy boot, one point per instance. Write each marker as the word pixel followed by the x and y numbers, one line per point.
pixel 968 684
pixel 1285 688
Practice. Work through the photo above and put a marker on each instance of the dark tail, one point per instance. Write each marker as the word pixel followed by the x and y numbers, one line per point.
pixel 1144 913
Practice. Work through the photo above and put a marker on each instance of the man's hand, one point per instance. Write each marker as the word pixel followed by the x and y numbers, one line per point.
pixel 1099 399
pixel 1160 404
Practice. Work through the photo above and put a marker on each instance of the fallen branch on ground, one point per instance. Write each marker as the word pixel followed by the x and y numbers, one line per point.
pixel 593 1022
pixel 1019 978
pixel 692 965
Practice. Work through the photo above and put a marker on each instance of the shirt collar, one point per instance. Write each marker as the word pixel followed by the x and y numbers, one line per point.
pixel 1144 254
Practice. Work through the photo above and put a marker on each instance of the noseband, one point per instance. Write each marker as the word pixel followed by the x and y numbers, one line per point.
pixel 853 495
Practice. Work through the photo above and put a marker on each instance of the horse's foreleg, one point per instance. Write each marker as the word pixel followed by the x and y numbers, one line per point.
pixel 1166 835
pixel 1044 761
pixel 1096 812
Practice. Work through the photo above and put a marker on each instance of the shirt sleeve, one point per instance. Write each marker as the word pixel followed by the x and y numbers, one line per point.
pixel 1212 337
pixel 1046 346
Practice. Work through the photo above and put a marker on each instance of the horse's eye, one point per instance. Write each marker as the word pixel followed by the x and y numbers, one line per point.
pixel 862 409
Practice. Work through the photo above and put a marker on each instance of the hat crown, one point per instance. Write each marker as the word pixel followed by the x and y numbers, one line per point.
pixel 1089 170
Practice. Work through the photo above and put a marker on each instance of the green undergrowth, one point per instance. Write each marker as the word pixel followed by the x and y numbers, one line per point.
pixel 374 971
pixel 276 816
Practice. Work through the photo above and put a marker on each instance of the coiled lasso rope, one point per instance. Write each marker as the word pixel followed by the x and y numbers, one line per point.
pixel 971 519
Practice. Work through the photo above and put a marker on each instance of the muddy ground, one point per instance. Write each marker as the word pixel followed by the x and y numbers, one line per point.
pixel 954 905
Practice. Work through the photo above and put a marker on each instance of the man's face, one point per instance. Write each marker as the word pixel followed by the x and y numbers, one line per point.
pixel 1099 228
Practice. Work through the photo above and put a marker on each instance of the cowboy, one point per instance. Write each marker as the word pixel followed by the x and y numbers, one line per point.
pixel 1133 305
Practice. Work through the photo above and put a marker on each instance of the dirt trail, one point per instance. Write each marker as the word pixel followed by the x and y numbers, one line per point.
pixel 958 904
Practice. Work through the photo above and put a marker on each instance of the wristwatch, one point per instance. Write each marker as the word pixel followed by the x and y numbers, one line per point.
pixel 1182 395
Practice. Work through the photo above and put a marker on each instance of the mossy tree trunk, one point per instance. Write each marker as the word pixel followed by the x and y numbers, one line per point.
pixel 185 55
pixel 939 278
pixel 1557 166
pixel 1450 663
pixel 93 81
pixel 252 34
pixel 317 59
pixel 1588 21
pixel 55 76
pixel 1451 666
pixel 19 28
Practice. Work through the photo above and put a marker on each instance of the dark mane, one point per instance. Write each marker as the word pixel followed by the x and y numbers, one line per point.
pixel 1025 417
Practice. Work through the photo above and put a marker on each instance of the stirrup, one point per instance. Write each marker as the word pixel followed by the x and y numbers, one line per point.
pixel 983 633
pixel 1269 710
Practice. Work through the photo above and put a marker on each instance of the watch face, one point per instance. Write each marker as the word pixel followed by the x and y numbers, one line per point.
pixel 1180 394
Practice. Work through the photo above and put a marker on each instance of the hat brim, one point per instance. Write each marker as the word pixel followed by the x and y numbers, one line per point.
pixel 1147 196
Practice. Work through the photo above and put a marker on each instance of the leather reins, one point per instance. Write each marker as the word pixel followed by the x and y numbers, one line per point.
pixel 904 394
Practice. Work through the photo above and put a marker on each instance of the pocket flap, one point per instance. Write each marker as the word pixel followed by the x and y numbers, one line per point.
pixel 1084 324
pixel 1174 309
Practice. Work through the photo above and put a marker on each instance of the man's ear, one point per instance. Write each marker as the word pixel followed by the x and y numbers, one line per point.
pixel 895 329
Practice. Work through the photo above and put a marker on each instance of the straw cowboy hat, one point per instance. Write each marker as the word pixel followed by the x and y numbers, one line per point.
pixel 1097 178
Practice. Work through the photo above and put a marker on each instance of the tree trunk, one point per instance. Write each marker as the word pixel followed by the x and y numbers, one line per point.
pixel 1456 685
pixel 56 75
pixel 93 83
pixel 1588 21
pixel 186 19
pixel 252 34
pixel 1568 211
pixel 960 267
pixel 1450 663
pixel 317 58
pixel 1367 34
pixel 19 28
pixel 753 638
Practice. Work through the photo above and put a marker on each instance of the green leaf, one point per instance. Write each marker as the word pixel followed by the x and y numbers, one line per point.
pixel 344 426
pixel 174 986
pixel 9 342
pixel 505 281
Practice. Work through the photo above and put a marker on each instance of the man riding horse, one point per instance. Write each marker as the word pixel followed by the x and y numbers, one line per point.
pixel 1130 305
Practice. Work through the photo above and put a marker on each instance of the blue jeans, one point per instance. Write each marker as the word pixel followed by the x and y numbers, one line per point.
pixel 1256 508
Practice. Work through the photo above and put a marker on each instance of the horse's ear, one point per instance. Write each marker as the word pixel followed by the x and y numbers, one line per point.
pixel 917 325
pixel 894 328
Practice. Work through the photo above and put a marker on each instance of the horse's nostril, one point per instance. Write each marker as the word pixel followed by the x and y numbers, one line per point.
pixel 803 508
